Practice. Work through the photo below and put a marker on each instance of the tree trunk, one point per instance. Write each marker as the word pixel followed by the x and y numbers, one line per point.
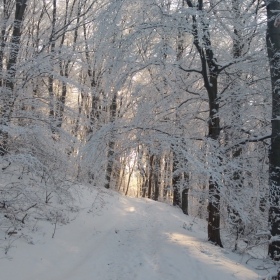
pixel 144 187
pixel 10 96
pixel 111 149
pixel 150 176
pixel 175 182
pixel 214 191
pixel 185 194
pixel 210 71
pixel 51 76
pixel 146 178
pixel 165 177
pixel 4 35
pixel 157 177
pixel 273 49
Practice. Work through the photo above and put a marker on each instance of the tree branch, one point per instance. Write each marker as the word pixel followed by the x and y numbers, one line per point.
pixel 252 140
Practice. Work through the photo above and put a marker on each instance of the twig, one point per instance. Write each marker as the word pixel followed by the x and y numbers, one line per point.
pixel 30 207
pixel 24 218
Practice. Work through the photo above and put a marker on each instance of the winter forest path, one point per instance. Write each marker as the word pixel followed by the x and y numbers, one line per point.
pixel 120 238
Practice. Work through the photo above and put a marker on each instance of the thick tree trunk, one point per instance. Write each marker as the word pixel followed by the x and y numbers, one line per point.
pixel 236 120
pixel 4 35
pixel 15 42
pixel 185 199
pixel 176 182
pixel 273 50
pixel 214 192
pixel 10 96
pixel 144 187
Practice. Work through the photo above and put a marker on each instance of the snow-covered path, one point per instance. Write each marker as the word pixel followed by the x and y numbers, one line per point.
pixel 123 239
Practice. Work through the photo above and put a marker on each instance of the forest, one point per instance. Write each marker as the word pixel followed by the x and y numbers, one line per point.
pixel 176 101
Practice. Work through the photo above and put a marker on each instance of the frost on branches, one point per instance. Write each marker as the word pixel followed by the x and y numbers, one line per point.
pixel 169 100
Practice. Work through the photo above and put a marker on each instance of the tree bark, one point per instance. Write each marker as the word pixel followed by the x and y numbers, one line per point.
pixel 10 96
pixel 185 194
pixel 176 182
pixel 273 50
pixel 157 176
pixel 7 7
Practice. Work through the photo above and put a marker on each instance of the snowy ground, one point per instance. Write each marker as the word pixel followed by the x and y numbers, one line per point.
pixel 120 238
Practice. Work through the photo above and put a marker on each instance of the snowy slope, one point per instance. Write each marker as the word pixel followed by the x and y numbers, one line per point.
pixel 115 237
